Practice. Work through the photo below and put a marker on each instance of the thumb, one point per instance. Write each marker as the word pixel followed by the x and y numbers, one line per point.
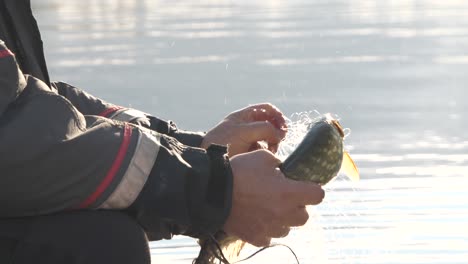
pixel 262 156
pixel 262 130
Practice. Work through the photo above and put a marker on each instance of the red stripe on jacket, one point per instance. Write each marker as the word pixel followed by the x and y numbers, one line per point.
pixel 112 171
pixel 109 111
pixel 5 53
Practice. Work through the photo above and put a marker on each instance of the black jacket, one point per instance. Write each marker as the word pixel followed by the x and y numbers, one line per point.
pixel 64 149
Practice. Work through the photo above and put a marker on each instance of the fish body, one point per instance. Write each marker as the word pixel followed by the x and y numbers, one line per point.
pixel 319 156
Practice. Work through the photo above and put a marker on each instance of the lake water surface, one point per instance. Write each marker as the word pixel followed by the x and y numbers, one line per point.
pixel 394 71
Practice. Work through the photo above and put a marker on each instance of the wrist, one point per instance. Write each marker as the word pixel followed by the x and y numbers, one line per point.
pixel 211 212
pixel 188 138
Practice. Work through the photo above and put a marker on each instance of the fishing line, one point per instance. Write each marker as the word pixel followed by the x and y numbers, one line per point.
pixel 220 255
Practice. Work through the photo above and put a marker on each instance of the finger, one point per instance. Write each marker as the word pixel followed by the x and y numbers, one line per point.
pixel 261 131
pixel 298 216
pixel 276 116
pixel 261 114
pixel 263 105
pixel 261 241
pixel 270 159
pixel 262 144
pixel 255 146
pixel 266 112
pixel 302 193
pixel 295 216
pixel 280 231
pixel 273 147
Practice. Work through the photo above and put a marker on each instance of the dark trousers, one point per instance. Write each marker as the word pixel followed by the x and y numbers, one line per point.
pixel 82 237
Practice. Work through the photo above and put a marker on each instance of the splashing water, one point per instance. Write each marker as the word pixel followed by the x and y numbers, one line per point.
pixel 298 125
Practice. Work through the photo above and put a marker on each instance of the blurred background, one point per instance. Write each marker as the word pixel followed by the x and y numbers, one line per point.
pixel 395 72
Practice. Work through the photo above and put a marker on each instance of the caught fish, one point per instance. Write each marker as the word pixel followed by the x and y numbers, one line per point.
pixel 320 155
pixel 318 158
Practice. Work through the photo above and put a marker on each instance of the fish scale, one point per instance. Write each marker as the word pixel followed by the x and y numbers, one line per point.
pixel 319 156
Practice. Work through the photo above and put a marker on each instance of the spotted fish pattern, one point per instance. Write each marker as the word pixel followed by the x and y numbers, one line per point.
pixel 319 156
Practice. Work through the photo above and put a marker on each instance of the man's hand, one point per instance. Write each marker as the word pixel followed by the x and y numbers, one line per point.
pixel 242 130
pixel 265 204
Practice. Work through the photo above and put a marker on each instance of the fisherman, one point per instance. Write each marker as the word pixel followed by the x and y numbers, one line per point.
pixel 86 181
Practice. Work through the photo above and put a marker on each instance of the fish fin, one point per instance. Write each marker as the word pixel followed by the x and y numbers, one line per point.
pixel 349 168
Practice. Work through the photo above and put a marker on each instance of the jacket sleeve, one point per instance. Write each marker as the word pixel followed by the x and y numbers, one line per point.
pixel 90 105
pixel 53 158
pixel 204 192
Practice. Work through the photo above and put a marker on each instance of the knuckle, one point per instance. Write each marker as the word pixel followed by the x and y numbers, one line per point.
pixel 257 243
pixel 263 242
pixel 304 218
pixel 260 240
pixel 299 217
pixel 321 195
pixel 315 194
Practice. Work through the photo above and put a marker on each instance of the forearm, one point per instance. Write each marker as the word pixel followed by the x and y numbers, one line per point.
pixel 91 105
